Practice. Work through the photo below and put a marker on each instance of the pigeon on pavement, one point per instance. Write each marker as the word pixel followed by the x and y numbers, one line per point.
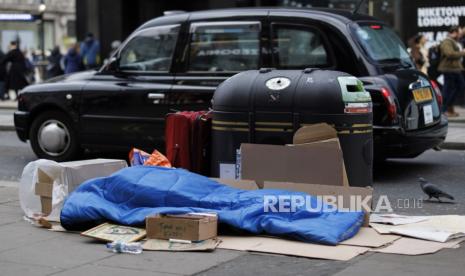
pixel 432 190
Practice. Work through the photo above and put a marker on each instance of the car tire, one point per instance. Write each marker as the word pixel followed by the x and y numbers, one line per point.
pixel 52 136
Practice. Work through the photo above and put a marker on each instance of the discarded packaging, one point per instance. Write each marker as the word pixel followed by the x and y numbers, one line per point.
pixel 45 184
pixel 125 247
pixel 434 228
pixel 190 227
pixel 315 157
pixel 166 245
pixel 113 233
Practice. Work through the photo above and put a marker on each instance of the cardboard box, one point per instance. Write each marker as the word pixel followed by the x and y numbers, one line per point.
pixel 242 184
pixel 76 172
pixel 304 164
pixel 315 157
pixel 191 227
pixel 73 174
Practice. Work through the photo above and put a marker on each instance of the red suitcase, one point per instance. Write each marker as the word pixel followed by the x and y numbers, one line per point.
pixel 187 139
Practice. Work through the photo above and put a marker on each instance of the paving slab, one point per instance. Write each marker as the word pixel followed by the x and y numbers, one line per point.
pixel 267 264
pixel 185 263
pixel 62 250
pixel 443 263
pixel 8 268
pixel 20 234
pixel 8 194
pixel 96 270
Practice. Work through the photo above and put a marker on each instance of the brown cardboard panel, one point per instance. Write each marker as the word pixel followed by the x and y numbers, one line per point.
pixel 43 177
pixel 368 237
pixel 182 227
pixel 313 133
pixel 165 245
pixel 242 184
pixel 305 164
pixel 46 203
pixel 322 190
pixel 292 248
pixel 44 189
pixel 409 246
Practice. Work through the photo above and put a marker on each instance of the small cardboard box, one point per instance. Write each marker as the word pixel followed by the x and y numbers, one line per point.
pixel 315 157
pixel 191 227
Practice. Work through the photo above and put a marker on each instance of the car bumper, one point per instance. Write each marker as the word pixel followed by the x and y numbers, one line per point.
pixel 395 143
pixel 21 119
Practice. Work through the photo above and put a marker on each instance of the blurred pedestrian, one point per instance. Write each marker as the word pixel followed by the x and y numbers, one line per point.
pixel 90 52
pixel 419 52
pixel 72 60
pixel 3 95
pixel 451 67
pixel 54 63
pixel 16 69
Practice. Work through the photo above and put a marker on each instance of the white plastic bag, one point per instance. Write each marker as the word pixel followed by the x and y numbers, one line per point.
pixel 29 201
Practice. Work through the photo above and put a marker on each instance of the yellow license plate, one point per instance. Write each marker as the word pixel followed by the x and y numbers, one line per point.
pixel 422 94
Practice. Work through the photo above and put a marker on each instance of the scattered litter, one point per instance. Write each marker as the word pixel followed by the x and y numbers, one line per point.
pixel 112 233
pixel 169 245
pixel 409 246
pixel 45 184
pixel 140 157
pixel 395 219
pixel 125 247
pixel 434 228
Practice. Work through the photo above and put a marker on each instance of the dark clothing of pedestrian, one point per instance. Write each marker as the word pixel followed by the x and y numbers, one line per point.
pixel 454 84
pixel 3 96
pixel 73 62
pixel 54 64
pixel 16 70
pixel 451 66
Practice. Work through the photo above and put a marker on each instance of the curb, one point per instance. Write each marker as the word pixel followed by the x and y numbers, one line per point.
pixel 8 107
pixel 7 128
pixel 453 145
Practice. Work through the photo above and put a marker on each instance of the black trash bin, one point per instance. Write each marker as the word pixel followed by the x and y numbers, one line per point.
pixel 267 106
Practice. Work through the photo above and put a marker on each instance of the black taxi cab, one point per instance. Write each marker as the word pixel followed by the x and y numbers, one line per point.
pixel 175 62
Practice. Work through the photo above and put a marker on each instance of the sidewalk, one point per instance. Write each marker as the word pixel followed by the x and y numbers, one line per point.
pixel 455 137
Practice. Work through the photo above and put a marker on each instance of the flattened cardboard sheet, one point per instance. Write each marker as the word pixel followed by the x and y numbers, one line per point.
pixel 409 246
pixel 165 245
pixel 368 237
pixel 291 248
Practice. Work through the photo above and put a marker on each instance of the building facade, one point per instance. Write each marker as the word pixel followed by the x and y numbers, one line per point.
pixel 21 20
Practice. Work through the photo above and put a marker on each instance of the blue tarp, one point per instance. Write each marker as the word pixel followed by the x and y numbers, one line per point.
pixel 133 193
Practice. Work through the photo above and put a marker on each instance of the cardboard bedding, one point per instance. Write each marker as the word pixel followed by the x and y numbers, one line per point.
pixel 131 194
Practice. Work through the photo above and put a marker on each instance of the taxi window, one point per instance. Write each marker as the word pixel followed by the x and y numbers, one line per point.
pixel 150 50
pixel 299 47
pixel 224 47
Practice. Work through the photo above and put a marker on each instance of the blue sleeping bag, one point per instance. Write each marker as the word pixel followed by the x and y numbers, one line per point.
pixel 133 193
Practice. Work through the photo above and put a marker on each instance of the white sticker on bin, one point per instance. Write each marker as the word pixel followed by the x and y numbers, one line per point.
pixel 227 171
pixel 428 114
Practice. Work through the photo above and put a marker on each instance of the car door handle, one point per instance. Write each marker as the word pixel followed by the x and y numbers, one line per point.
pixel 156 96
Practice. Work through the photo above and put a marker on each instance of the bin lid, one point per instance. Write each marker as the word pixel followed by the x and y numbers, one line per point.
pixel 310 90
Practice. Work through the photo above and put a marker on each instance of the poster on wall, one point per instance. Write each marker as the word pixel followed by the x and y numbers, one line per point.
pixel 432 18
